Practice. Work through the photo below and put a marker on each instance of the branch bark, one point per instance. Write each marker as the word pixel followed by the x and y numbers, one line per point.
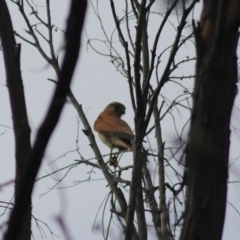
pixel 214 93
pixel 73 34
pixel 165 228
pixel 151 198
pixel 139 119
pixel 11 52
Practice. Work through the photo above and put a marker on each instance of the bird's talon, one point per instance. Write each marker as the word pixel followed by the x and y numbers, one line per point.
pixel 112 161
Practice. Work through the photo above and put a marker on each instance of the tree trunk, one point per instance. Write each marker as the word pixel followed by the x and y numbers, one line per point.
pixel 214 94
pixel 11 52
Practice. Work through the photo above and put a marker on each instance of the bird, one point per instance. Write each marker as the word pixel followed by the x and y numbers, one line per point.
pixel 112 130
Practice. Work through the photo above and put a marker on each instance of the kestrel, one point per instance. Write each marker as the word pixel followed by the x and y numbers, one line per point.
pixel 112 130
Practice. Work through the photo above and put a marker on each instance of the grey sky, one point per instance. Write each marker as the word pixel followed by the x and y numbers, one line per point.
pixel 96 83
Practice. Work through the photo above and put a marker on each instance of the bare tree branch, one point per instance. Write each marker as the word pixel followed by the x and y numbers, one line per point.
pixel 169 63
pixel 165 227
pixel 125 45
pixel 11 52
pixel 147 80
pixel 215 87
pixel 73 34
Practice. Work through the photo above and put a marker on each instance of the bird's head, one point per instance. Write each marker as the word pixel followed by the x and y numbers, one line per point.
pixel 115 107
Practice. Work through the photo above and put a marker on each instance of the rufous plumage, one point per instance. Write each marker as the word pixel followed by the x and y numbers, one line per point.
pixel 112 130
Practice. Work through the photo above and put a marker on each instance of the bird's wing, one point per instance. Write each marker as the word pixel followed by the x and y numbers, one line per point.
pixel 121 135
pixel 114 127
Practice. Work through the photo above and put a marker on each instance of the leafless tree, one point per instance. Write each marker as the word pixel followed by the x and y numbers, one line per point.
pixel 214 93
pixel 199 162
pixel 28 159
